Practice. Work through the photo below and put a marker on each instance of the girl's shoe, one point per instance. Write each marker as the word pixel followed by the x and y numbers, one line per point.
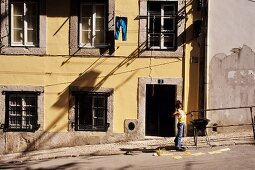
pixel 181 149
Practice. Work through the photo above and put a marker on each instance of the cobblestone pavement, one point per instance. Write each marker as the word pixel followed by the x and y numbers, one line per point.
pixel 149 144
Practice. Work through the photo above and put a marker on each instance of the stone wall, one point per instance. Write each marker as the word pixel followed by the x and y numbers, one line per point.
pixel 12 142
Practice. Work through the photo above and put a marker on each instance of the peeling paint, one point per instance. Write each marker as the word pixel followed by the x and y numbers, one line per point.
pixel 232 84
pixel 241 77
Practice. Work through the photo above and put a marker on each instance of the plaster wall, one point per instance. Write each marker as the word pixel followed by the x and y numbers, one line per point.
pixel 192 50
pixel 119 74
pixel 230 25
pixel 230 61
pixel 232 79
pixel 57 27
pixel 130 10
pixel 57 71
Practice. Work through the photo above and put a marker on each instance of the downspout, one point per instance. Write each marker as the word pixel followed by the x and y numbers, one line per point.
pixel 184 51
pixel 205 5
pixel 139 8
pixel 183 66
pixel 203 61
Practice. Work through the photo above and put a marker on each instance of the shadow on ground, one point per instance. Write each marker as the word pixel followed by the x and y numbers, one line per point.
pixel 132 151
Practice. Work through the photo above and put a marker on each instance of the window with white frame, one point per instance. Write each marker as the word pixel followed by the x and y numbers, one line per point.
pixel 162 25
pixel 21 111
pixel 24 23
pixel 92 25
pixel 91 111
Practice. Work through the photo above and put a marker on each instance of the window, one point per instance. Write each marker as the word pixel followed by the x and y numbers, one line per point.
pixel 92 25
pixel 24 23
pixel 91 111
pixel 162 25
pixel 21 111
pixel 23 27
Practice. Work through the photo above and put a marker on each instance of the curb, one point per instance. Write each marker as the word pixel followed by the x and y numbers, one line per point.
pixel 124 148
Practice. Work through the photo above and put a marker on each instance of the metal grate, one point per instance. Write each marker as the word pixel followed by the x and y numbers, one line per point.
pixel 91 111
pixel 21 112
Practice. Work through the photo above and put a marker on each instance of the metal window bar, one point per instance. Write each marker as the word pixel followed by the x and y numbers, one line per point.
pixel 94 111
pixel 227 108
pixel 99 120
pixel 21 112
pixel 14 112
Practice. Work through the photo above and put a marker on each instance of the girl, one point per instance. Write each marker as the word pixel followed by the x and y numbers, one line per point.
pixel 181 115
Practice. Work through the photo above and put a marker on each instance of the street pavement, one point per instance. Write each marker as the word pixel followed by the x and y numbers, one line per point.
pixel 227 151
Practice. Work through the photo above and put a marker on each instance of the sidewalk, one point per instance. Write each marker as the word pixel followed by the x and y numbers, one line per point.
pixel 149 144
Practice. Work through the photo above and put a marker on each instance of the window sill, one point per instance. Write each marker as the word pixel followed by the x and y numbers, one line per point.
pixel 23 50
pixel 95 47
pixel 24 46
pixel 5 129
pixel 91 130
pixel 102 50
pixel 162 49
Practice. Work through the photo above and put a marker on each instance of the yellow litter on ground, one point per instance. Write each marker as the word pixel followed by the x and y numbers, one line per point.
pixel 215 152
pixel 163 152
pixel 219 151
pixel 198 154
pixel 186 153
pixel 226 149
pixel 177 157
pixel 155 154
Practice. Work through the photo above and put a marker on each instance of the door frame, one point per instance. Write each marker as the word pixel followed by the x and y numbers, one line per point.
pixel 159 107
pixel 142 82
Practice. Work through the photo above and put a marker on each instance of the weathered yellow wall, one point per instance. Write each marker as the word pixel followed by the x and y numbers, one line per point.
pixel 191 77
pixel 21 70
pixel 57 27
pixel 55 77
pixel 108 73
pixel 129 9
pixel 55 74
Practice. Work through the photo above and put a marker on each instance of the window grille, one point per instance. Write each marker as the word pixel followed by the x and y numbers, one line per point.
pixel 91 111
pixel 21 111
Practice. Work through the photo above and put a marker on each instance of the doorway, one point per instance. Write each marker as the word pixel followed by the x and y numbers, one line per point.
pixel 160 104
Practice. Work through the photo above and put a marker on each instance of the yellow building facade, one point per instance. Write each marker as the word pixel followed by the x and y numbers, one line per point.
pixel 64 83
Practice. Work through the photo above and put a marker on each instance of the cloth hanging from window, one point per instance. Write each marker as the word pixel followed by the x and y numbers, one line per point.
pixel 121 22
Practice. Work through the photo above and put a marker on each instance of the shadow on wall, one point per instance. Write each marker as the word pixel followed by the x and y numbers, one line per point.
pixel 190 33
pixel 86 79
pixel 43 140
pixel 194 40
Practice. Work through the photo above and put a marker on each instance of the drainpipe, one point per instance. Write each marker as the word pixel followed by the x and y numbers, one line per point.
pixel 203 60
pixel 183 66
pixel 205 85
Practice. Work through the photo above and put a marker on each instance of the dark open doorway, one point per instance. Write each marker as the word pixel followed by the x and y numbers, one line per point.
pixel 160 104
